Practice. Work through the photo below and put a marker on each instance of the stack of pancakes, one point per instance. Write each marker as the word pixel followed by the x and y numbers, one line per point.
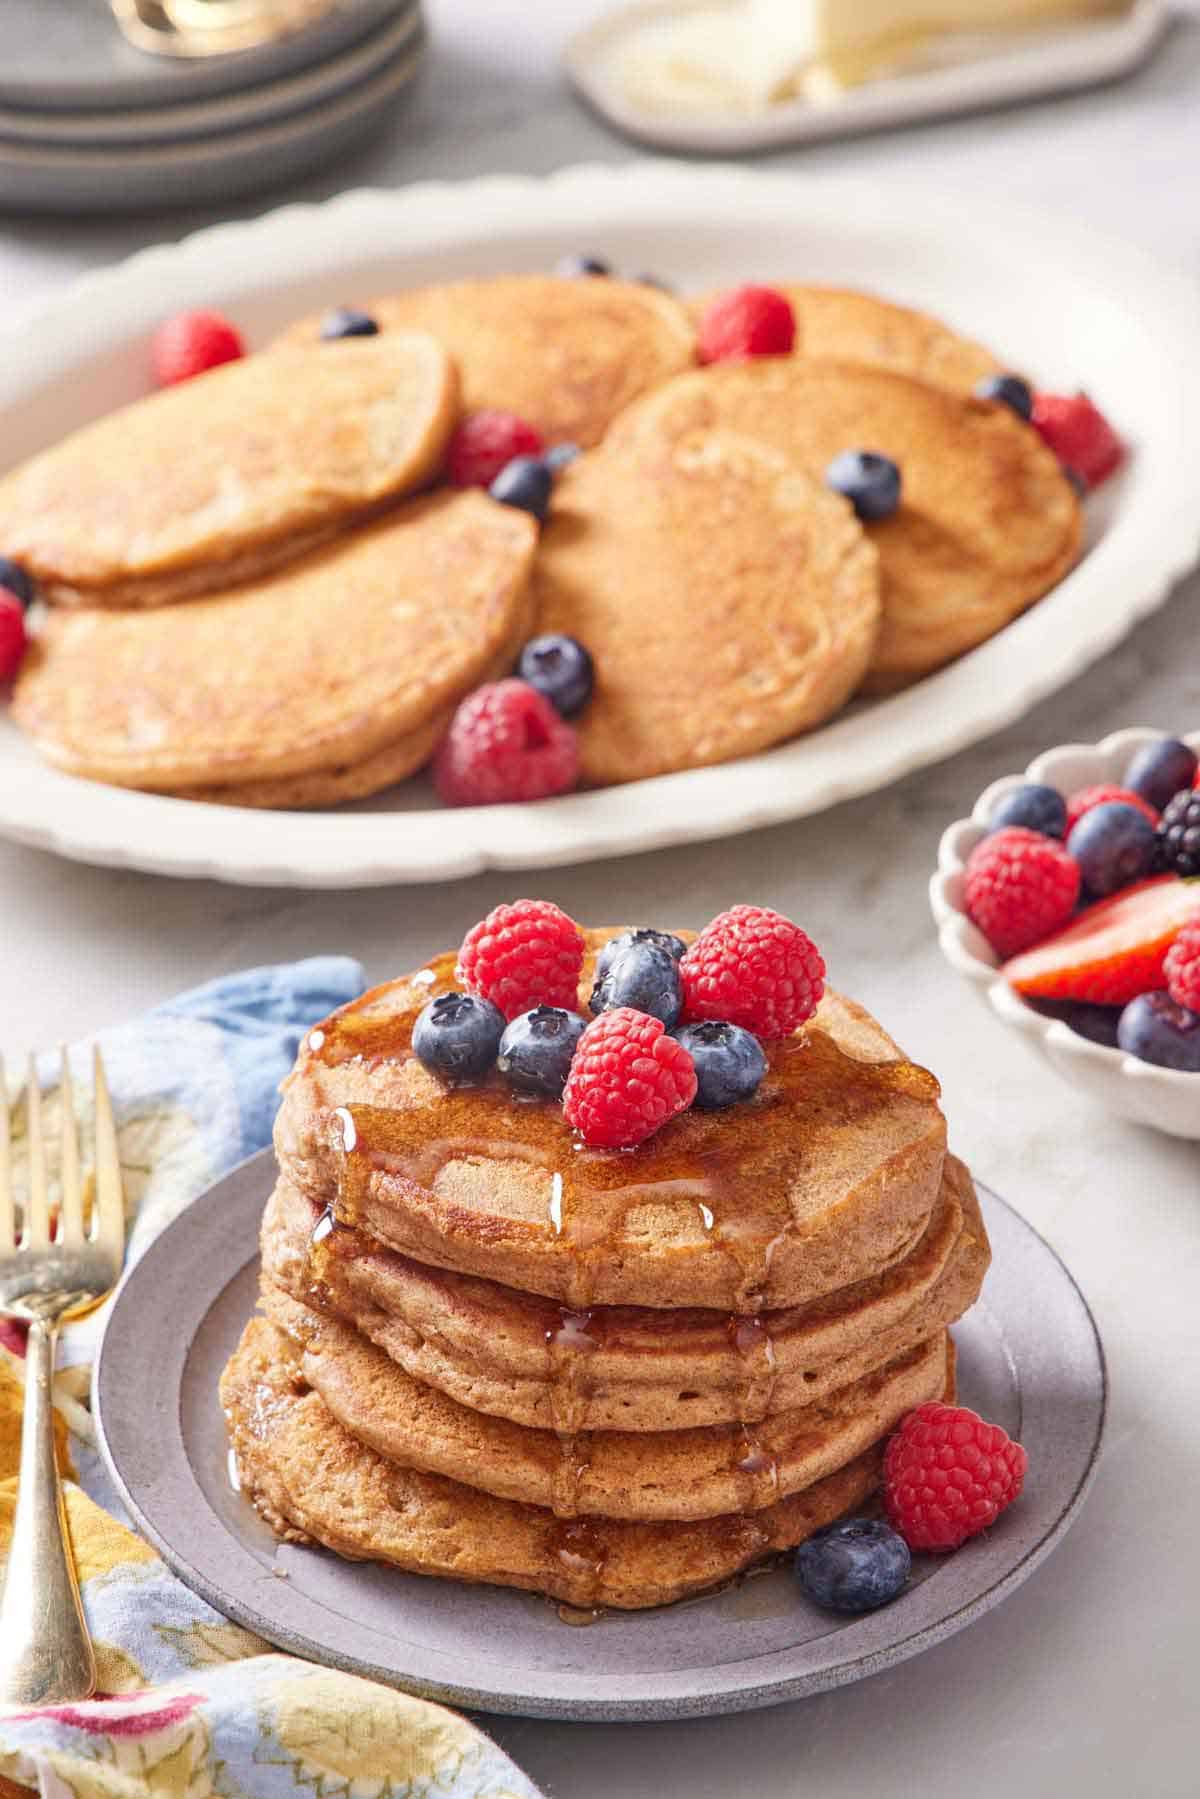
pixel 613 1377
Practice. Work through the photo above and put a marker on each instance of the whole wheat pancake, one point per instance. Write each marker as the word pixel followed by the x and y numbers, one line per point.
pixel 313 1481
pixel 339 659
pixel 565 354
pixel 988 522
pixel 220 478
pixel 828 1175
pixel 522 1357
pixel 842 324
pixel 730 600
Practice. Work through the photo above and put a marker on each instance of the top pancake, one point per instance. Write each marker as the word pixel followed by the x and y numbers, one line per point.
pixel 233 472
pixel 841 324
pixel 987 523
pixel 359 646
pixel 829 1174
pixel 566 354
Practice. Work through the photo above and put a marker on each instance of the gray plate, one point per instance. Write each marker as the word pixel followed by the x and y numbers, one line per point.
pixel 1029 1358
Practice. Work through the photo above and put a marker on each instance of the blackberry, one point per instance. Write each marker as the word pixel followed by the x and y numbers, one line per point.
pixel 1179 835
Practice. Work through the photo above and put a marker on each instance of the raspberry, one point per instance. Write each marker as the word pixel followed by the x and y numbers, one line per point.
pixel 505 742
pixel 1019 887
pixel 13 636
pixel 524 955
pixel 753 968
pixel 1087 797
pixel 628 1078
pixel 1182 966
pixel 1079 434
pixel 485 442
pixel 191 342
pixel 746 322
pixel 947 1475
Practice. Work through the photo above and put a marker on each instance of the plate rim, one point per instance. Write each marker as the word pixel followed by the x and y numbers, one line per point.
pixel 748 1692
pixel 1152 542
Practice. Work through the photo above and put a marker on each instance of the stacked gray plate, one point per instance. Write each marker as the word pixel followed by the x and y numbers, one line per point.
pixel 88 122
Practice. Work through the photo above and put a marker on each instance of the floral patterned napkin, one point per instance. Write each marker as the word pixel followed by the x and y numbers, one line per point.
pixel 189 1704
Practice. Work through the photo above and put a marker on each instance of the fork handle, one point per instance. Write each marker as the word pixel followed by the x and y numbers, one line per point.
pixel 45 1651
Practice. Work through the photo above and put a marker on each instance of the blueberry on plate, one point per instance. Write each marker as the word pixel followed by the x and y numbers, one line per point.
pixel 582 265
pixel 674 946
pixel 1113 844
pixel 1155 1028
pixel 537 1048
pixel 869 481
pixel 561 668
pixel 855 1566
pixel 17 581
pixel 645 976
pixel 1010 390
pixel 526 483
pixel 1037 807
pixel 457 1035
pixel 729 1062
pixel 1159 770
pixel 347 321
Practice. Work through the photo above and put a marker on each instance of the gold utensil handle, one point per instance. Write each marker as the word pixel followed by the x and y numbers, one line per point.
pixel 45 1651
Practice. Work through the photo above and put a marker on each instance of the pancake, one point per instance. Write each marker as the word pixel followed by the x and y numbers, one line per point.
pixel 842 324
pixel 565 354
pixel 220 478
pixel 729 600
pixel 828 1175
pixel 521 1357
pixel 312 1481
pixel 988 521
pixel 315 668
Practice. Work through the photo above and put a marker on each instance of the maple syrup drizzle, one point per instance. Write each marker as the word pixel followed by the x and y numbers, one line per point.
pixel 578 1548
pixel 759 1469
pixel 751 1341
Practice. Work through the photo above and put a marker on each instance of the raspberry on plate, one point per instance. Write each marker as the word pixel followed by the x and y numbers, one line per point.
pixel 746 322
pixel 754 968
pixel 947 1475
pixel 1079 434
pixel 485 442
pixel 1105 794
pixel 1019 886
pixel 505 742
pixel 192 342
pixel 523 955
pixel 13 637
pixel 1181 965
pixel 627 1079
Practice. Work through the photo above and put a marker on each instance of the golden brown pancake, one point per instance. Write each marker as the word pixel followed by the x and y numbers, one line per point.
pixel 323 665
pixel 313 1481
pixel 220 478
pixel 729 600
pixel 566 355
pixel 987 524
pixel 828 1175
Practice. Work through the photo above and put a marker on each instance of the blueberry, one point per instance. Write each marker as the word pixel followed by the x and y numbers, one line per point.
pixel 1159 770
pixel 1113 844
pixel 559 455
pixel 854 1566
pixel 870 482
pixel 644 976
pixel 1155 1029
pixel 582 265
pixel 1097 1023
pixel 729 1062
pixel 1078 481
pixel 560 668
pixel 1036 807
pixel 644 280
pixel 1010 390
pixel 536 1050
pixel 457 1035
pixel 17 581
pixel 345 321
pixel 526 483
pixel 674 946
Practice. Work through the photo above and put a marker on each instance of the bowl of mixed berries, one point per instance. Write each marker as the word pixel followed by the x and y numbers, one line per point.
pixel 1071 899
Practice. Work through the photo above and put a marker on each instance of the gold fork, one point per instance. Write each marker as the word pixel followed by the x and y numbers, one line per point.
pixel 46 1277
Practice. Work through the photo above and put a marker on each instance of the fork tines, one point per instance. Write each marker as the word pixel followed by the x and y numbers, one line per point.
pixel 108 1207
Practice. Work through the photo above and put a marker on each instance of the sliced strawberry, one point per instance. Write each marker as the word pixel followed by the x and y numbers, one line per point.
pixel 1114 950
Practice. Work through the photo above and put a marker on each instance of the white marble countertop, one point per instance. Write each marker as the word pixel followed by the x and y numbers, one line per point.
pixel 1083 1681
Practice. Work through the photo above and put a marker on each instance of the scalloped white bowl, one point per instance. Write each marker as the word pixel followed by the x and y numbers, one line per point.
pixel 1162 1097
